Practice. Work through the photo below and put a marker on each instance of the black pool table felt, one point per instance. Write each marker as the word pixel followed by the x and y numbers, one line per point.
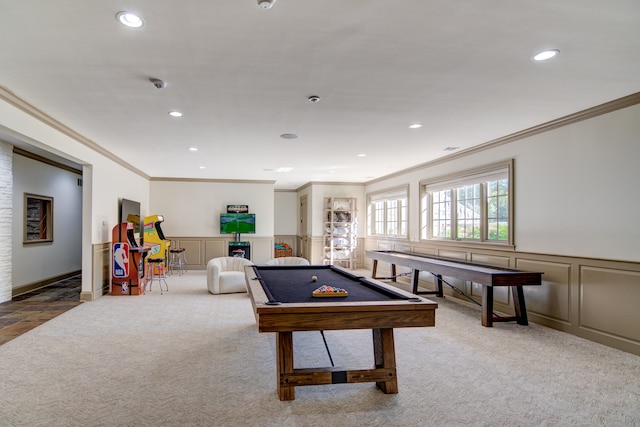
pixel 295 285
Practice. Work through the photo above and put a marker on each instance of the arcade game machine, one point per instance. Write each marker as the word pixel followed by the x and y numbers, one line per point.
pixel 127 273
pixel 154 239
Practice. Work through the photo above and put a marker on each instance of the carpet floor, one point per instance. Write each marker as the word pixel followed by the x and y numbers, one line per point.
pixel 189 358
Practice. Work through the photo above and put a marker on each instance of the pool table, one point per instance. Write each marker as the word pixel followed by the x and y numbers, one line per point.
pixel 283 303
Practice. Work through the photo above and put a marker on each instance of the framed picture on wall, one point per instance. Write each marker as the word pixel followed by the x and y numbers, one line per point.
pixel 38 219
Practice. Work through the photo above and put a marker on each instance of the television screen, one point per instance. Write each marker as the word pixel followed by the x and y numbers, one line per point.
pixel 243 223
pixel 130 212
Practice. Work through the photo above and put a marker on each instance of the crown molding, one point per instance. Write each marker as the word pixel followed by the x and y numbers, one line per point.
pixel 312 183
pixel 224 181
pixel 13 99
pixel 589 113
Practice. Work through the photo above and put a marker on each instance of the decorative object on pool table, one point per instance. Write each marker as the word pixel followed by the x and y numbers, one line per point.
pixel 330 291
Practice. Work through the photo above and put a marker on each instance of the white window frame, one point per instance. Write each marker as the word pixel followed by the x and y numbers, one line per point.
pixel 502 170
pixel 388 198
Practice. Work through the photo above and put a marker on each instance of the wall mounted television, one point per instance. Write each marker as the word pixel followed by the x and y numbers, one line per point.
pixel 237 223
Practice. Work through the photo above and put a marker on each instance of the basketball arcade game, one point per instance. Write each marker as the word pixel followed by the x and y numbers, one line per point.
pixel 127 273
pixel 129 259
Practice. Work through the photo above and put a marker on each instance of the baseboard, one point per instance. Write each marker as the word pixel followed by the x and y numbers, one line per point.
pixel 42 283
pixel 87 296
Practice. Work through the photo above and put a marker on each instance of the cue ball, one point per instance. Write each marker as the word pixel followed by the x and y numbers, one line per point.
pixel 314 278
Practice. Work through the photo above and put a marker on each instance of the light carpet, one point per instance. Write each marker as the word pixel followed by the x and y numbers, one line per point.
pixel 189 358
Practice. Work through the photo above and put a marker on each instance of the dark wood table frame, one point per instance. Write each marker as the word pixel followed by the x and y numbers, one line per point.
pixel 487 276
pixel 380 316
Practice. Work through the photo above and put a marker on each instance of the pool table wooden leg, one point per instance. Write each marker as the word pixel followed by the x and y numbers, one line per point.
pixel 284 349
pixel 385 357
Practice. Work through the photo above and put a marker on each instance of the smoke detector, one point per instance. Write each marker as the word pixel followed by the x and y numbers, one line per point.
pixel 266 4
pixel 314 98
pixel 159 84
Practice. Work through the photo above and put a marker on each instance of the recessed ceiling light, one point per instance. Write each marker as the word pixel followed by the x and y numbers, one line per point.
pixel 415 125
pixel 545 54
pixel 283 169
pixel 193 148
pixel 175 113
pixel 288 136
pixel 203 167
pixel 130 19
pixel 362 155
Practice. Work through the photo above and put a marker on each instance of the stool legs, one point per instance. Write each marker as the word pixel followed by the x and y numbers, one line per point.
pixel 160 266
pixel 174 261
pixel 178 260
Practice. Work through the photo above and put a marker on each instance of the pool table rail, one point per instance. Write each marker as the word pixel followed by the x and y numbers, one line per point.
pixel 414 311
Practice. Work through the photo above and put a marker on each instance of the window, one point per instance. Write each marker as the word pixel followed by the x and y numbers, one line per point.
pixel 387 213
pixel 38 220
pixel 475 206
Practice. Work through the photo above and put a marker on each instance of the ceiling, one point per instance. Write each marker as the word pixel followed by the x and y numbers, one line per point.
pixel 242 76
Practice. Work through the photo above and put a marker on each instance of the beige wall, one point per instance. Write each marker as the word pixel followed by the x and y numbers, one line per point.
pixel 285 211
pixel 191 211
pixel 573 187
pixel 575 220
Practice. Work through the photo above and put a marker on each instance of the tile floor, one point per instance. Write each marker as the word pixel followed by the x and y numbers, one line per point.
pixel 25 312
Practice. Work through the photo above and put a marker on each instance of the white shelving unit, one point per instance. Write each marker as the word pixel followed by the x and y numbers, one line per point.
pixel 340 231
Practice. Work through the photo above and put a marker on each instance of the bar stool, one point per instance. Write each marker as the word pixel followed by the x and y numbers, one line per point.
pixel 156 271
pixel 178 259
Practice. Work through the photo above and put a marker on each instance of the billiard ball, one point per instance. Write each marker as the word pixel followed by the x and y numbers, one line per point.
pixel 314 278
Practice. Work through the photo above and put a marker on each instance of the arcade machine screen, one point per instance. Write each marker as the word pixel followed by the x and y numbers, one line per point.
pixel 130 212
